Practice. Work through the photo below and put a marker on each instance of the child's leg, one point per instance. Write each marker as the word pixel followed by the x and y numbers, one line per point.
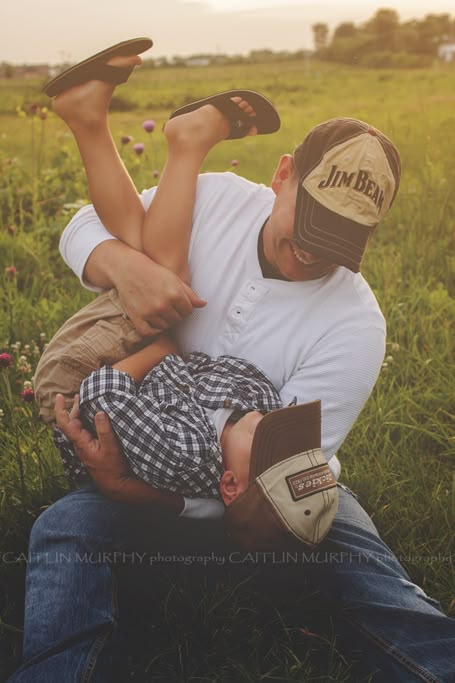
pixel 96 335
pixel 84 109
pixel 167 225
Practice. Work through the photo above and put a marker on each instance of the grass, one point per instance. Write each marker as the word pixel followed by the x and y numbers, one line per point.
pixel 398 457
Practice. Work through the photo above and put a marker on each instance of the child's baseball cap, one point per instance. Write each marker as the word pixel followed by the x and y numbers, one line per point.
pixel 349 173
pixel 292 494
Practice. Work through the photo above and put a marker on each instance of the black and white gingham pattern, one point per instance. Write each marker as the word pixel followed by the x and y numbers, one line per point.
pixel 165 432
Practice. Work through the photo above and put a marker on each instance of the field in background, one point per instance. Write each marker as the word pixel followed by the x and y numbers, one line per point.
pixel 399 456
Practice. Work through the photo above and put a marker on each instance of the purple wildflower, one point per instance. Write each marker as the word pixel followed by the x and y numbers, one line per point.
pixel 139 148
pixel 6 360
pixel 149 126
pixel 28 395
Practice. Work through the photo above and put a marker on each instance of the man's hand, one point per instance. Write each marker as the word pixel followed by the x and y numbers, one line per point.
pixel 153 297
pixel 106 463
pixel 103 456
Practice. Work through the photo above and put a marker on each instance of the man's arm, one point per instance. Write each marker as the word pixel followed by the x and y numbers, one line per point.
pixel 153 297
pixel 341 372
pixel 108 468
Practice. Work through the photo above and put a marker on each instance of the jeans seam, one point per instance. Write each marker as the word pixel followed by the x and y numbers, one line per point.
pixel 102 638
pixel 93 654
pixel 400 657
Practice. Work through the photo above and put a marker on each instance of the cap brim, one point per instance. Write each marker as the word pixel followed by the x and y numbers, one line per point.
pixel 284 432
pixel 325 233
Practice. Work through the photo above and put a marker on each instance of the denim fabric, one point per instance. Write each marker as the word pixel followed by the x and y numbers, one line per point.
pixel 71 616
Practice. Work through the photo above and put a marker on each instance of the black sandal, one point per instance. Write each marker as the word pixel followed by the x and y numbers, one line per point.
pixel 95 67
pixel 266 120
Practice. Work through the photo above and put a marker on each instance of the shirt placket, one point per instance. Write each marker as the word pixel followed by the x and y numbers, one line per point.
pixel 242 310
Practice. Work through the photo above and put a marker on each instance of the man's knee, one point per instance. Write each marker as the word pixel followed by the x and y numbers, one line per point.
pixel 80 514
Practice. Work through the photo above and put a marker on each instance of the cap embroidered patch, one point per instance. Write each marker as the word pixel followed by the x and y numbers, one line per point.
pixel 309 482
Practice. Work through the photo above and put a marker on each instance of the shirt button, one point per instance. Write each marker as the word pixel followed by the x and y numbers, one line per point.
pixel 227 403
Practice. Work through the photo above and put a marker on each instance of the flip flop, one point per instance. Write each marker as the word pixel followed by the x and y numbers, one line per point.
pixel 266 120
pixel 95 67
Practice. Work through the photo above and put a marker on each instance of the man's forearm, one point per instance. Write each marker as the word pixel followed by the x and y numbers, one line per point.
pixel 105 261
pixel 134 490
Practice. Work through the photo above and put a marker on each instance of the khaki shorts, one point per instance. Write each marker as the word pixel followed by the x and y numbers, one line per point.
pixel 99 334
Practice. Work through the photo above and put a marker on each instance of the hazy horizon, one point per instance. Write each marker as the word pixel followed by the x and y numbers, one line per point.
pixel 211 26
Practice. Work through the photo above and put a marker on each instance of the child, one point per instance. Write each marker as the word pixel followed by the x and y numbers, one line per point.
pixel 175 419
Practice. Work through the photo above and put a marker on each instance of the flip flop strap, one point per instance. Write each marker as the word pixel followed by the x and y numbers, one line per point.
pixel 113 74
pixel 103 72
pixel 240 122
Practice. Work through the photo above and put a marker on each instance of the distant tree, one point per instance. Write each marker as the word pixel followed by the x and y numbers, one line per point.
pixel 345 30
pixel 6 70
pixel 320 36
pixel 383 26
pixel 433 30
pixel 383 22
pixel 409 36
pixel 264 55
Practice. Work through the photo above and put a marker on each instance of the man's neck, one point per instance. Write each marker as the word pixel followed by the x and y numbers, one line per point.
pixel 268 271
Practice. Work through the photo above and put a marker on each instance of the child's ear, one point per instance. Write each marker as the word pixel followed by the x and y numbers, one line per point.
pixel 229 487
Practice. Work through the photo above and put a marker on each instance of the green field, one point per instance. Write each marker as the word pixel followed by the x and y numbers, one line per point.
pixel 399 456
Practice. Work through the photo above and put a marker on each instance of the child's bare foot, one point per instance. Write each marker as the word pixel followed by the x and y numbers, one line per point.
pixel 203 128
pixel 87 104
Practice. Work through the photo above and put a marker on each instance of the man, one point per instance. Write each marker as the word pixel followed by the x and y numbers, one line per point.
pixel 279 270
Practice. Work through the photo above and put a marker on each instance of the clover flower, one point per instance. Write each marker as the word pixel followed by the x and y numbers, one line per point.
pixel 125 139
pixel 149 126
pixel 6 360
pixel 28 395
pixel 23 365
pixel 156 173
pixel 234 162
pixel 138 148
pixel 11 271
pixel 33 108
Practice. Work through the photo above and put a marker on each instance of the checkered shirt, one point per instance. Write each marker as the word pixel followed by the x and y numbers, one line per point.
pixel 166 435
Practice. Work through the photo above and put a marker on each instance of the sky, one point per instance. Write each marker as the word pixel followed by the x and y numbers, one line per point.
pixel 55 31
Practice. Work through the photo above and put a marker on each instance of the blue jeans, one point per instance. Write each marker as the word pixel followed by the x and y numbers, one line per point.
pixel 71 616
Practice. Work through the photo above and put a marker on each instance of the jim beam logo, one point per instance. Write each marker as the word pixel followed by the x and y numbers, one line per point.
pixel 359 181
pixel 307 482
